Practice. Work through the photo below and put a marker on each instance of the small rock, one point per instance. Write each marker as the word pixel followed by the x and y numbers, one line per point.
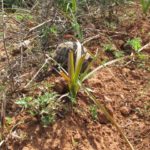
pixel 77 136
pixel 135 75
pixel 125 70
pixel 125 111
pixel 102 117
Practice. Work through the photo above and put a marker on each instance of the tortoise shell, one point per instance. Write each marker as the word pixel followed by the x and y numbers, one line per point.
pixel 62 51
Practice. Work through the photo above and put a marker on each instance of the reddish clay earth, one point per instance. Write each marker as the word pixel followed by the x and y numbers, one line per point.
pixel 124 88
pixel 126 91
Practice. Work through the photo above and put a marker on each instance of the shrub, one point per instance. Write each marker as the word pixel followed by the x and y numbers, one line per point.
pixel 44 107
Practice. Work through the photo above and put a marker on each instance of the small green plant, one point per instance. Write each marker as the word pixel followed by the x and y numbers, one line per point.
pixel 19 17
pixel 73 75
pixel 93 111
pixel 70 8
pixel 22 16
pixel 135 43
pixel 75 78
pixel 108 47
pixel 25 102
pixel 145 5
pixel 44 107
pixel 66 5
pixel 118 54
pixel 143 57
pixel 2 88
pixel 47 31
pixel 77 28
pixel 8 120
pixel 72 5
pixel 53 29
pixel 75 25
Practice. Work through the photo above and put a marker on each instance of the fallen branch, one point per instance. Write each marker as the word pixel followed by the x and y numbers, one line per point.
pixel 39 25
pixel 46 61
pixel 42 24
pixel 104 65
pixel 92 38
pixel 144 47
pixel 103 32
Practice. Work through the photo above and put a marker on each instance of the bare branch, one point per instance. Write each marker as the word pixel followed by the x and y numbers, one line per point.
pixel 46 61
pixel 144 47
pixel 104 65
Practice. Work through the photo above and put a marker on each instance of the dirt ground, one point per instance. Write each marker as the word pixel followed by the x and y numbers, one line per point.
pixel 124 88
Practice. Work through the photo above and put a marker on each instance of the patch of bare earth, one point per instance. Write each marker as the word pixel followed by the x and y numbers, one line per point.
pixel 125 90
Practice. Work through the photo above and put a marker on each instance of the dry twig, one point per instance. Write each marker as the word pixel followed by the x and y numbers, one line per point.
pixel 92 38
pixel 104 65
pixel 46 61
pixel 144 47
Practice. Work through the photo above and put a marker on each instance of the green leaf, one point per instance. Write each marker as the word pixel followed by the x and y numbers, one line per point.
pixel 74 6
pixel 8 120
pixel 71 65
pixel 135 43
pixel 24 102
pixel 79 66
pixel 145 5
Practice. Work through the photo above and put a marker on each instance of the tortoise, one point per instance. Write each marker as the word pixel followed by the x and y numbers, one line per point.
pixel 62 51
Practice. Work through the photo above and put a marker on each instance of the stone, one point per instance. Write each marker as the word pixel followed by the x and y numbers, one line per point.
pixel 125 111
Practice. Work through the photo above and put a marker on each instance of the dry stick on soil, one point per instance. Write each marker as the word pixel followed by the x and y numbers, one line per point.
pixel 109 117
pixel 35 5
pixel 104 65
pixel 99 35
pixel 113 61
pixel 39 25
pixel 42 24
pixel 92 38
pixel 46 61
pixel 92 72
pixel 144 47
